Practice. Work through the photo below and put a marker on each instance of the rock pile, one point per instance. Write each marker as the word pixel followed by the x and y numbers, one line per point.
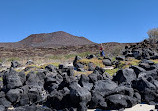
pixel 140 51
pixel 56 88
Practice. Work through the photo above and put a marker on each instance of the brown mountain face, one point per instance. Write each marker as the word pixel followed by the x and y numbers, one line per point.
pixel 48 40
pixel 54 39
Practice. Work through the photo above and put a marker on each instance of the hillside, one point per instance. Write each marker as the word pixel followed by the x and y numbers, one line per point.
pixel 44 40
pixel 55 43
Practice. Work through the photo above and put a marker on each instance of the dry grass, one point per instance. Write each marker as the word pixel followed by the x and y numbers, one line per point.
pixel 1 78
pixel 155 61
pixel 96 62
pixel 85 73
pixel 35 68
pixel 126 64
pixel 111 71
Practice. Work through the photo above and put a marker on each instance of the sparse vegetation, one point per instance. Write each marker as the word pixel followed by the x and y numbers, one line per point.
pixel 153 33
pixel 111 71
pixel 155 61
pixel 13 58
pixel 86 72
pixel 126 64
pixel 1 78
pixel 97 62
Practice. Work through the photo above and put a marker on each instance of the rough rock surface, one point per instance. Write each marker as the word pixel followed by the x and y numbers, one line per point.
pixel 56 88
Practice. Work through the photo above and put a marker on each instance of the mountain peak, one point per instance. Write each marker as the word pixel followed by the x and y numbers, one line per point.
pixel 59 38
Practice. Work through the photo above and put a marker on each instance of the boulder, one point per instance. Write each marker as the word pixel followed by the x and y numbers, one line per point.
pixel 104 87
pixel 22 77
pixel 33 80
pixel 2 108
pixel 120 58
pixel 107 62
pixel 97 101
pixel 84 82
pixel 68 69
pixel 24 100
pixel 13 95
pixel 93 77
pixel 137 69
pixel 91 66
pixel 146 66
pixel 125 75
pixel 79 65
pixel 136 53
pixel 12 80
pixel 4 102
pixel 119 101
pixel 90 56
pixel 77 58
pixel 99 70
pixel 79 94
pixel 37 94
pixel 51 68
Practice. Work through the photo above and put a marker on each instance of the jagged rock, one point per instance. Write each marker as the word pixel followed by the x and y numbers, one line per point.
pixel 107 76
pixel 97 101
pixel 99 70
pixel 120 58
pixel 107 62
pixel 79 65
pixel 81 69
pixel 137 69
pixel 68 69
pixel 24 100
pixel 147 62
pixel 125 75
pixel 29 62
pixel 82 107
pixel 51 68
pixel 13 95
pixel 84 82
pixel 5 102
pixel 77 58
pixel 137 96
pixel 2 108
pixel 15 64
pixel 104 86
pixel 22 77
pixel 146 66
pixel 37 94
pixel 119 101
pixel 79 94
pixel 33 80
pixel 11 79
pixel 91 66
pixel 93 77
pixel 136 53
pixel 90 56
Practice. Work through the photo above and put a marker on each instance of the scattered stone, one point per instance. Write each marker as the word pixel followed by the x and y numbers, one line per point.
pixel 107 62
pixel 15 64
pixel 120 58
pixel 29 62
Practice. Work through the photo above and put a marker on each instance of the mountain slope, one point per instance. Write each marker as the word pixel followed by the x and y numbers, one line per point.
pixel 59 38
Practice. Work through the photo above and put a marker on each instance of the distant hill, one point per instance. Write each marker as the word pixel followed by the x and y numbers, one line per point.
pixel 54 39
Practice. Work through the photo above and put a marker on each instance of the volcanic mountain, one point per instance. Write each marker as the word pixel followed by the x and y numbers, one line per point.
pixel 54 39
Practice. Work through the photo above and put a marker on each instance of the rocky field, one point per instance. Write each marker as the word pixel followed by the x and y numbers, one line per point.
pixel 84 84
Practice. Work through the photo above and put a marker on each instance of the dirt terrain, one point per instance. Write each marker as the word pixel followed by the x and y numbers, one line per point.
pixel 55 43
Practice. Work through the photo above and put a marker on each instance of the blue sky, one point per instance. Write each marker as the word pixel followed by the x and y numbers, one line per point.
pixel 98 20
